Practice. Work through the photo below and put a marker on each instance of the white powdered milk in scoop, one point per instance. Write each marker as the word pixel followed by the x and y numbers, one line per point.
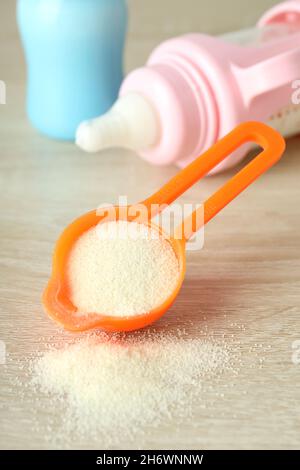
pixel 121 269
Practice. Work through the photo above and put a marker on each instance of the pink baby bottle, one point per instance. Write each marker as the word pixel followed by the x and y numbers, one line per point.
pixel 196 88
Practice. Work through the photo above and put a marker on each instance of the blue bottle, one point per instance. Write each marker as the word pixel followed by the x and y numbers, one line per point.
pixel 74 53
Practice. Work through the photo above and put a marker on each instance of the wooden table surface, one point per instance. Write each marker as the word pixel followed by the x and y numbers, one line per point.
pixel 247 274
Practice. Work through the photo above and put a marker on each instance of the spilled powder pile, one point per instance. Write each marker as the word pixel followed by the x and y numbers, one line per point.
pixel 111 388
pixel 121 269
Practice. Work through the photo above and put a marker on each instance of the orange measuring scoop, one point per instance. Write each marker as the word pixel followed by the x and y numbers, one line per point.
pixel 56 298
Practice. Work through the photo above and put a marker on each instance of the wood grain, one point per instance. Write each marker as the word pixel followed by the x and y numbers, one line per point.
pixel 242 288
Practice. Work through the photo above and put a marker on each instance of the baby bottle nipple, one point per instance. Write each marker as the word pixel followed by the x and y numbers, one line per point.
pixel 131 123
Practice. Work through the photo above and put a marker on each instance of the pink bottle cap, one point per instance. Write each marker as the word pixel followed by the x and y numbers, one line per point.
pixel 285 12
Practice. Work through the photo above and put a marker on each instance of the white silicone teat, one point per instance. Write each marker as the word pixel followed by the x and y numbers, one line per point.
pixel 131 123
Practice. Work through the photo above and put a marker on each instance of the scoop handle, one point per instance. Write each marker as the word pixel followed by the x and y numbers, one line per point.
pixel 273 146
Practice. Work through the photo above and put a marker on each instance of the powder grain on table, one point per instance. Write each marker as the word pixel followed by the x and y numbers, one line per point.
pixel 111 388
pixel 121 269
